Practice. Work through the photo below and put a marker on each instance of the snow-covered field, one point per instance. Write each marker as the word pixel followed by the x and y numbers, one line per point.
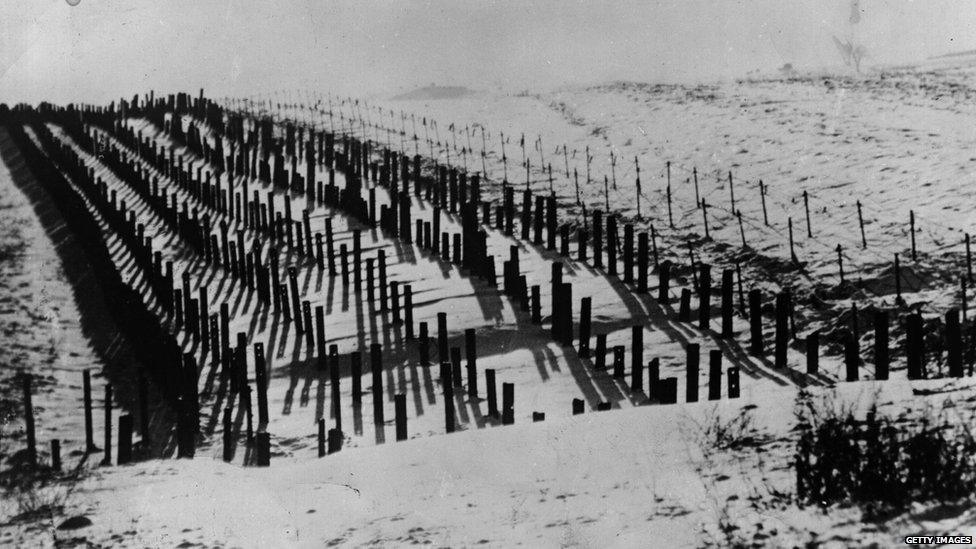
pixel 638 475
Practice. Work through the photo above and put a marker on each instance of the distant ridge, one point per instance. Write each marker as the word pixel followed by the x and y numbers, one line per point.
pixel 433 92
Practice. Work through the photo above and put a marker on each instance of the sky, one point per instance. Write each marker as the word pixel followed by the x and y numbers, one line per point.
pixel 99 50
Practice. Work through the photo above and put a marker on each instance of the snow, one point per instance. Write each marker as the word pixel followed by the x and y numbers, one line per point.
pixel 636 475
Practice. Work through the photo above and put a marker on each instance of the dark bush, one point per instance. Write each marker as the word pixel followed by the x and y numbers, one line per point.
pixel 880 465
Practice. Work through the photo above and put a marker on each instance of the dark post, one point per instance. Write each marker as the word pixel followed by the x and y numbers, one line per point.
pixel 492 395
pixel 584 327
pixel 108 425
pixel 618 361
pixel 637 358
pixel 704 296
pixel 508 403
pixel 601 352
pixel 321 437
pixel 850 356
pixel 447 386
pixel 400 404
pixel 782 329
pixel 755 322
pixel 714 374
pixel 733 374
pixel 953 343
pixel 813 353
pixel 684 306
pixel 376 367
pixel 727 303
pixel 125 439
pixel 881 354
pixel 471 354
pixel 664 277
pixel 89 428
pixel 578 406
pixel 692 361
pixel 914 342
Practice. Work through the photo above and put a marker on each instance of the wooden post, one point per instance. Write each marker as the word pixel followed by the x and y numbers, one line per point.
pixel 664 278
pixel 125 439
pixel 471 356
pixel 376 368
pixel 600 360
pixel 491 393
pixel 953 343
pixel 762 196
pixel 228 435
pixel 911 221
pixel 56 455
pixel 536 305
pixel 860 222
pixel 321 436
pixel 628 253
pixel 584 327
pixel 881 354
pixel 408 310
pixel 400 405
pixel 261 382
pixel 755 321
pixel 642 252
pixel 612 244
pixel 806 206
pixel 447 386
pixel 782 329
pixel 107 460
pixel 733 374
pixel 692 368
pixel 704 296
pixel 793 257
pixel 714 374
pixel 598 239
pixel 813 352
pixel 578 406
pixel 684 306
pixel 442 337
pixel 727 303
pixel 851 357
pixel 335 440
pixel 89 428
pixel 969 261
pixel 618 361
pixel 508 403
pixel 424 345
pixel 637 358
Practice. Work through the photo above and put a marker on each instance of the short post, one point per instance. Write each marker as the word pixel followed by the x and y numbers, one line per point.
pixel 89 428
pixel 491 393
pixel 692 368
pixel 124 454
pixel 400 405
pixel 108 425
pixel 755 322
pixel 782 329
pixel 447 386
pixel 376 367
pixel 850 357
pixel 813 352
pixel 508 403
pixel 728 305
pixel 714 374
